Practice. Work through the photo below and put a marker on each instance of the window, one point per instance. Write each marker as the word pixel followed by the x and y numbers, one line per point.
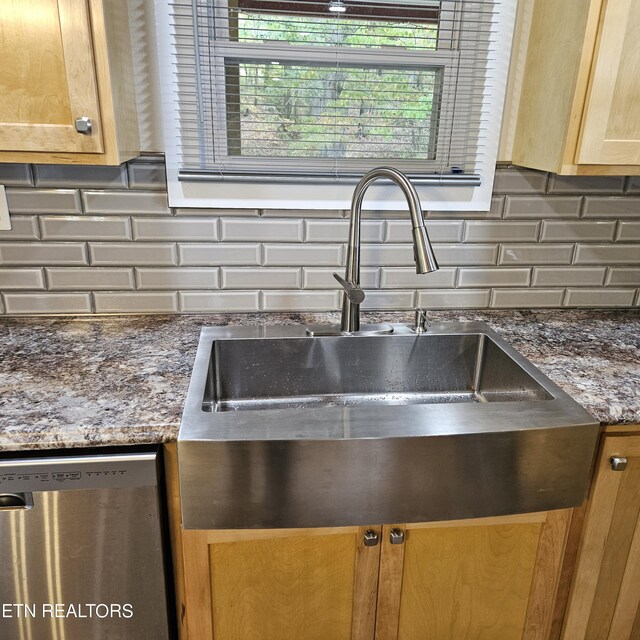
pixel 289 102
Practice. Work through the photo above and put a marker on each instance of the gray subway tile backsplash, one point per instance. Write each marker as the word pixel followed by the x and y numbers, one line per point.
pixel 518 298
pixel 540 207
pixel 44 201
pixel 134 254
pixel 494 277
pixel 568 276
pixel 175 229
pixel 241 230
pixel 85 228
pixel 299 300
pixel 607 254
pixel 454 299
pixel 16 175
pixel 263 278
pixel 47 303
pixel 534 254
pixel 147 175
pixel 173 278
pixel 583 185
pixel 136 302
pixel 125 202
pixel 29 278
pixel 599 298
pixel 618 207
pixel 516 180
pixel 74 177
pixel 22 228
pixel 276 255
pixel 229 301
pixel 43 253
pixel 89 278
pixel 386 255
pixel 389 300
pixel 501 231
pixel 196 255
pixel 627 231
pixel 465 254
pixel 569 230
pixel 623 276
pixel 104 240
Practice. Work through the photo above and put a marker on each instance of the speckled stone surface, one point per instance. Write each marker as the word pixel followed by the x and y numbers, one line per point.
pixel 74 382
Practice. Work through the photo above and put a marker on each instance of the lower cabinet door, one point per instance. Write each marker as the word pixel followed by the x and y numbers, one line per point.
pixel 605 594
pixel 486 579
pixel 317 584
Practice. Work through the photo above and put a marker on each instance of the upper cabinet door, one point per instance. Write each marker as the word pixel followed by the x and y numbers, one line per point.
pixel 50 82
pixel 611 125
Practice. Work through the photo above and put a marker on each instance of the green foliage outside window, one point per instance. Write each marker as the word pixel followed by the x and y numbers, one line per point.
pixel 317 110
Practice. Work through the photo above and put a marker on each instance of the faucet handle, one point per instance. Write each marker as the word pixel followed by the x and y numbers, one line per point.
pixel 352 291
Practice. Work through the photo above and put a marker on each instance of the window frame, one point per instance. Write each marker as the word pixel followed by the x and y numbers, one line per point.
pixel 262 192
pixel 444 60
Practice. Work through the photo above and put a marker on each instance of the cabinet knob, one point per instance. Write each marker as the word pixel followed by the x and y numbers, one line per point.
pixel 396 536
pixel 84 125
pixel 370 538
pixel 618 463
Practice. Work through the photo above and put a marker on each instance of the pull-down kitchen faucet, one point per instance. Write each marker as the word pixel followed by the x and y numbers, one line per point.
pixel 422 250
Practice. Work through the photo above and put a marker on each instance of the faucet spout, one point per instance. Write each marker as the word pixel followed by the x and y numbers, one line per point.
pixel 422 250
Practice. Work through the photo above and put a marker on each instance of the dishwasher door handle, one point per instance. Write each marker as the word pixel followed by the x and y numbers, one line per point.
pixel 15 501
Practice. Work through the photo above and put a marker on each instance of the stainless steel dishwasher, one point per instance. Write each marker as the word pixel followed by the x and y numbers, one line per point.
pixel 81 552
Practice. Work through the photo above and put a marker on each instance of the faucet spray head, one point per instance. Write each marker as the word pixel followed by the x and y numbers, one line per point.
pixel 423 251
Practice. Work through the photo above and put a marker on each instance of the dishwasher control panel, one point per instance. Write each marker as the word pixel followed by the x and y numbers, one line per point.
pixel 78 472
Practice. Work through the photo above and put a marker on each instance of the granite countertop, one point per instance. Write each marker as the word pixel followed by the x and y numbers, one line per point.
pixel 90 381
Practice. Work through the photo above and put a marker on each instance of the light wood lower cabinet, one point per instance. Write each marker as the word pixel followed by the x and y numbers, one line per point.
pixel 572 574
pixel 281 585
pixel 487 579
pixel 492 579
pixel 604 603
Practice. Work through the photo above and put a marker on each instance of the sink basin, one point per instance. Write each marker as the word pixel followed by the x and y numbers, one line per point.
pixel 299 373
pixel 281 429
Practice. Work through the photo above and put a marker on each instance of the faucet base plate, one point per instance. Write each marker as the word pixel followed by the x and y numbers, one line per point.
pixel 334 330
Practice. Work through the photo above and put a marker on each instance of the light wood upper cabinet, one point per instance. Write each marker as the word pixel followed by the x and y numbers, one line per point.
pixel 63 60
pixel 580 101
pixel 604 602
pixel 610 131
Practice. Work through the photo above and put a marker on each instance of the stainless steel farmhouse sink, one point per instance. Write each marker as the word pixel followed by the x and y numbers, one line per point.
pixel 281 429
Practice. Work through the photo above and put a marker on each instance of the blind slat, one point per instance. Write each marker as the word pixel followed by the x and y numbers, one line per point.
pixel 266 84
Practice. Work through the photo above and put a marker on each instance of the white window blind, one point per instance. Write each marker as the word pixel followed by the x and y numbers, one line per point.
pixel 321 91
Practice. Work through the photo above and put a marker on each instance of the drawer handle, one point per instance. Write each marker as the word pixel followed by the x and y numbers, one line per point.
pixel 14 501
